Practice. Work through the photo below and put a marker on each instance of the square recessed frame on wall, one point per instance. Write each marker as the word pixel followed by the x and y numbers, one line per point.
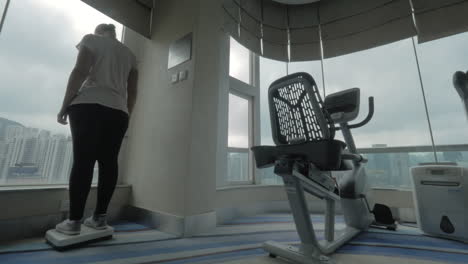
pixel 180 51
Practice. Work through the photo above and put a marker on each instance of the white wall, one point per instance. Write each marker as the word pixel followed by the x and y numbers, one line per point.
pixel 210 78
pixel 160 128
pixel 172 147
pixel 231 197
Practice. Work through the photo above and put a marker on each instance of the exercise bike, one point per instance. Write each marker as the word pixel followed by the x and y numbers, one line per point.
pixel 306 153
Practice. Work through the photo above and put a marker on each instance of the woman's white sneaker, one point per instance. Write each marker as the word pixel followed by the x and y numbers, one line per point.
pixel 97 222
pixel 69 227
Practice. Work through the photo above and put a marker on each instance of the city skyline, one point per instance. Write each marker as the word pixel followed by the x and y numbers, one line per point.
pixel 31 155
pixel 18 122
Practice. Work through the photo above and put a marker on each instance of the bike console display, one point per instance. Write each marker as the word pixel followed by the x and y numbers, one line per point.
pixel 343 106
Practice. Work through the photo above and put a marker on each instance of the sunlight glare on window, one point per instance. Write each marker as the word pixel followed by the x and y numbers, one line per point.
pixel 239 62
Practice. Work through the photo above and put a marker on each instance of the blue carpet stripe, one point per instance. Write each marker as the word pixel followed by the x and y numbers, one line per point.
pixel 272 219
pixel 423 241
pixel 129 227
pixel 89 256
pixel 404 253
pixel 187 245
pixel 216 258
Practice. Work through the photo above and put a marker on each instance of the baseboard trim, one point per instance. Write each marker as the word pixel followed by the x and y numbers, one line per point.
pixel 224 215
pixel 176 225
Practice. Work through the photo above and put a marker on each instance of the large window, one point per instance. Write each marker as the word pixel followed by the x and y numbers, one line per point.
pixel 242 97
pixel 439 60
pixel 239 140
pixel 398 137
pixel 37 53
pixel 389 73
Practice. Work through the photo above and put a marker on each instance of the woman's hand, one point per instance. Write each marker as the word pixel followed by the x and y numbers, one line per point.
pixel 78 75
pixel 62 116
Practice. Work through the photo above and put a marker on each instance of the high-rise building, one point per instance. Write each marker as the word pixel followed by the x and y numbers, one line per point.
pixel 57 157
pixel 34 155
pixel 399 170
pixel 3 148
pixel 29 152
pixel 4 124
pixel 14 150
pixel 20 154
pixel 43 143
pixel 50 159
pixel 377 168
pixel 13 131
pixel 65 170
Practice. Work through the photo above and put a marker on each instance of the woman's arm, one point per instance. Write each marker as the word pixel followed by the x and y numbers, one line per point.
pixel 83 65
pixel 132 89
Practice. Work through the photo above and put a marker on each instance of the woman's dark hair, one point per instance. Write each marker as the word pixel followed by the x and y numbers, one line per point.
pixel 105 28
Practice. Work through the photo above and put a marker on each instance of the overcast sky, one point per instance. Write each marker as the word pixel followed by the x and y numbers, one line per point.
pixel 37 54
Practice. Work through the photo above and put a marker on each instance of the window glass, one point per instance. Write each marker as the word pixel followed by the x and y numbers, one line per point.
pixel 389 74
pixel 37 54
pixel 239 62
pixel 238 167
pixel 439 60
pixel 391 170
pixel 238 140
pixel 313 68
pixel 238 136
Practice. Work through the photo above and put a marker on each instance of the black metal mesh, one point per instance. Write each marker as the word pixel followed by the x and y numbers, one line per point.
pixel 297 112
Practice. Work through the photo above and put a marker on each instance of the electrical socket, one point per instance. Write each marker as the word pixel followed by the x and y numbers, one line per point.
pixel 183 75
pixel 175 78
pixel 64 205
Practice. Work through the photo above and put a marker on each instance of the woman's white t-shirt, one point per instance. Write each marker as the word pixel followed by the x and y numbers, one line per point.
pixel 106 83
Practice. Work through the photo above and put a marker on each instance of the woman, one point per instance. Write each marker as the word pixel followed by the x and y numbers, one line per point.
pixel 100 97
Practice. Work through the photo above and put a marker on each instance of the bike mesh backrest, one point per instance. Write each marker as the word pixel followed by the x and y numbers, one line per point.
pixel 296 111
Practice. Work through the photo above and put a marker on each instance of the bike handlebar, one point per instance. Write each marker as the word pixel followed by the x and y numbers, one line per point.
pixel 368 117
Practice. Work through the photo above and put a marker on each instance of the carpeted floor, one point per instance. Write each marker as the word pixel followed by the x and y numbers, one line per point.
pixel 238 241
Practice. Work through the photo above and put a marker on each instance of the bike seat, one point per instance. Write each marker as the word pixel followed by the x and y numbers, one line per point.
pixel 324 154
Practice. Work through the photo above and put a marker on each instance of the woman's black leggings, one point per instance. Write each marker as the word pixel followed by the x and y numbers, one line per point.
pixel 97 133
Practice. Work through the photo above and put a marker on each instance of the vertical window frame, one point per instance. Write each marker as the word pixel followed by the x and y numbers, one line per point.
pixel 249 91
